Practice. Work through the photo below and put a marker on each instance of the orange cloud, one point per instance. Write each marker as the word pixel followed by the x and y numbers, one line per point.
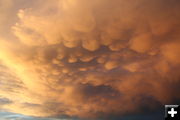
pixel 82 58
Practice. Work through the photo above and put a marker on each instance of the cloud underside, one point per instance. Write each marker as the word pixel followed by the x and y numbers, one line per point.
pixel 89 58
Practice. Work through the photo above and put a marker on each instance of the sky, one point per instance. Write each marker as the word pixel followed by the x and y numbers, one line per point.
pixel 88 59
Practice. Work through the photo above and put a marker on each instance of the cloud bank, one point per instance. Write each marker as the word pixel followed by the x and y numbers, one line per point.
pixel 88 58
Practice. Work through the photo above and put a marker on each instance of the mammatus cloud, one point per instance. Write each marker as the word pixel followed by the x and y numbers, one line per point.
pixel 90 58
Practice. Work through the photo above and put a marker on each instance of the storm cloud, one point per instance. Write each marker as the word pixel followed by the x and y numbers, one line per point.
pixel 89 58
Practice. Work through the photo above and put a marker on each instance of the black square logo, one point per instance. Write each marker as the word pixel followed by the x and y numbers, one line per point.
pixel 172 112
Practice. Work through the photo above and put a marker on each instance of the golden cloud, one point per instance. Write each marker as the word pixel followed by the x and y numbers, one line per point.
pixel 82 58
